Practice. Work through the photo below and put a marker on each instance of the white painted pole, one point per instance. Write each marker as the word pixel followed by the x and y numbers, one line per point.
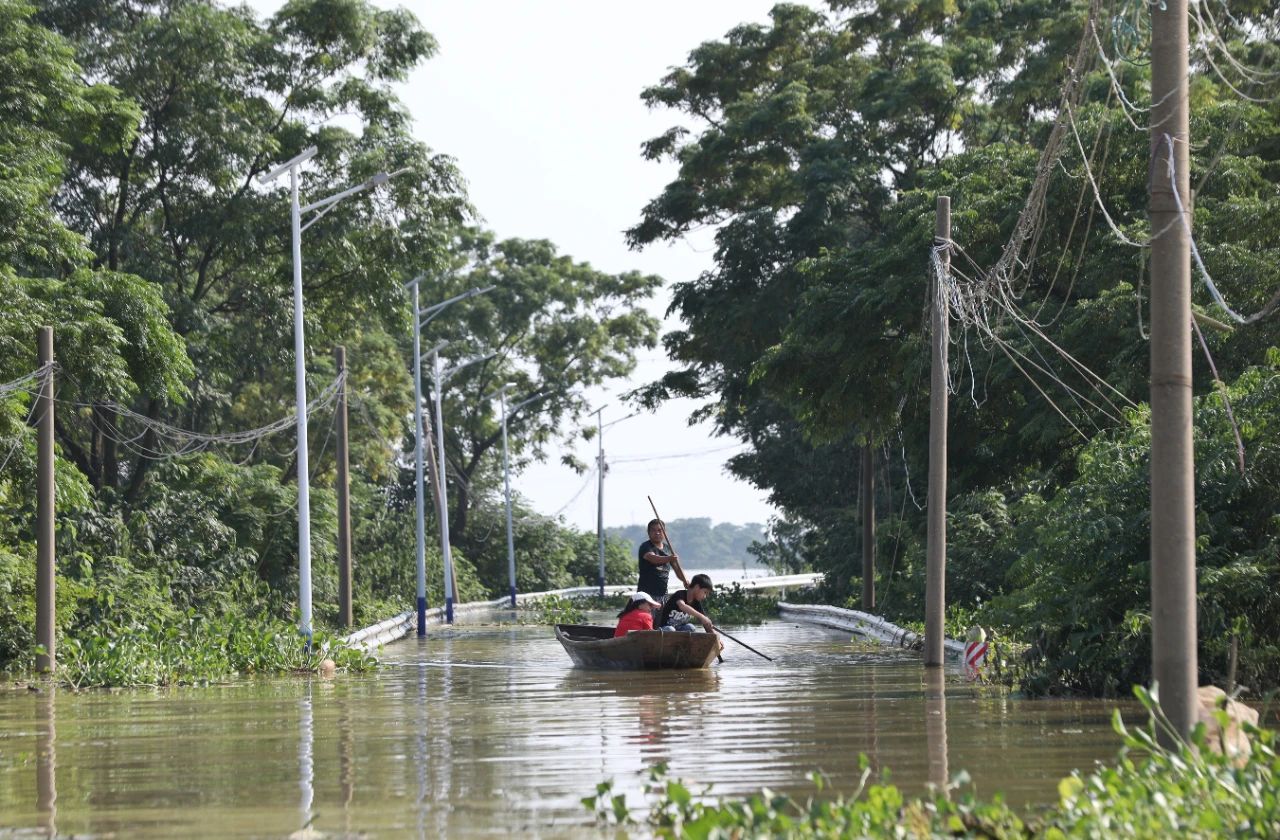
pixel 418 488
pixel 300 396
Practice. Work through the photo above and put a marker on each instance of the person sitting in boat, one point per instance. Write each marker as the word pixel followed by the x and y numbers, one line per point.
pixel 684 609
pixel 656 560
pixel 637 614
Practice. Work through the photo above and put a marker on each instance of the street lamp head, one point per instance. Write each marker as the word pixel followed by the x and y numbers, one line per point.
pixel 306 155
pixel 430 312
pixel 382 177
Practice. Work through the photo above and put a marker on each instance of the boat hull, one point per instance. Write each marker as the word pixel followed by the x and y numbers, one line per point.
pixel 594 647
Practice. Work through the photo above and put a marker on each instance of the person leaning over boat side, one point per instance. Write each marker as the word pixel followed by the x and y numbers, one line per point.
pixel 656 560
pixel 684 607
pixel 636 615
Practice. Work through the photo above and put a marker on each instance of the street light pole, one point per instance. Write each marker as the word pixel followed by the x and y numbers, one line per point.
pixel 506 480
pixel 419 434
pixel 299 362
pixel 441 377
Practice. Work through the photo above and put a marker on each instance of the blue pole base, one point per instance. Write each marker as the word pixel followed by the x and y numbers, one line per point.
pixel 602 586
pixel 448 610
pixel 422 616
pixel 513 597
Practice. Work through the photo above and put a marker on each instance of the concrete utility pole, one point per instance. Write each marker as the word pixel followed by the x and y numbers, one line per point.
pixel 935 599
pixel 1173 558
pixel 346 614
pixel 45 554
pixel 868 529
pixel 420 547
pixel 600 492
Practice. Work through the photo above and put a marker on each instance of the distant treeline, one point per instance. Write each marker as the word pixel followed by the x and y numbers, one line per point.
pixel 702 545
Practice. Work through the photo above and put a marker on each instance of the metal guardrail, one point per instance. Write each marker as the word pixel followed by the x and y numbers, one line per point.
pixel 399 626
pixel 864 624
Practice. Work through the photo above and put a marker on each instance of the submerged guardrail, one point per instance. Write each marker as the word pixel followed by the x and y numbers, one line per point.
pixel 864 624
pixel 401 625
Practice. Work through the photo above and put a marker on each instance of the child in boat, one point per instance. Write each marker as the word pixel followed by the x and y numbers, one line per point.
pixel 637 615
pixel 685 608
pixel 656 561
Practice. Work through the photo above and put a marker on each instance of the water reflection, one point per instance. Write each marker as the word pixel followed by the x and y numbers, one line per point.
pixel 346 757
pixel 487 730
pixel 306 757
pixel 47 761
pixel 935 726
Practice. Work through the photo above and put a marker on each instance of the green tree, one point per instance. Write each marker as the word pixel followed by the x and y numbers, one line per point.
pixel 224 97
pixel 553 327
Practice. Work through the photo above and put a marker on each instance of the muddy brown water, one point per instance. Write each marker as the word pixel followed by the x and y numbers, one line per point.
pixel 486 730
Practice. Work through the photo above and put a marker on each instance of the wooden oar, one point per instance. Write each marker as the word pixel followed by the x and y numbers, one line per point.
pixel 679 569
pixel 744 644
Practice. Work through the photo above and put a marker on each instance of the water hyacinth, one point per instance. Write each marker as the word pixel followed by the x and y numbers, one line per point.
pixel 197 651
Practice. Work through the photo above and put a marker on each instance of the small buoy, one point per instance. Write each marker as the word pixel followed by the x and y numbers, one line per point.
pixel 328 668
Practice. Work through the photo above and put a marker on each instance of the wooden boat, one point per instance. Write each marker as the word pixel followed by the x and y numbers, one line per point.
pixel 592 646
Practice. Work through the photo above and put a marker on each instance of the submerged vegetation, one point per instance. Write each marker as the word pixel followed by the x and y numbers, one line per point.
pixel 1152 792
pixel 195 651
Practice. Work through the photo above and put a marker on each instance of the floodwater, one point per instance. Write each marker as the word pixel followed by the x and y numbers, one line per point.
pixel 487 730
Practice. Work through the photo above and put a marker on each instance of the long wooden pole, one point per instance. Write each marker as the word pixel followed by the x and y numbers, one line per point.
pixel 868 529
pixel 346 616
pixel 679 569
pixel 1173 559
pixel 46 559
pixel 936 563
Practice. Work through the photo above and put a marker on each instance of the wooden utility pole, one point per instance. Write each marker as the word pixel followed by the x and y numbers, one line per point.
pixel 868 529
pixel 935 599
pixel 346 615
pixel 1173 559
pixel 45 556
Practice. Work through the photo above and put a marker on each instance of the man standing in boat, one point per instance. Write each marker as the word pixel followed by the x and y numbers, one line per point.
pixel 656 561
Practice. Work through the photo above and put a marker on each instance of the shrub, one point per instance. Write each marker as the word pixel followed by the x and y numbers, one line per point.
pixel 1188 791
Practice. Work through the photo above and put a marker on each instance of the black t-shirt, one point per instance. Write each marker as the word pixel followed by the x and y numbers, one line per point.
pixel 653 579
pixel 672 607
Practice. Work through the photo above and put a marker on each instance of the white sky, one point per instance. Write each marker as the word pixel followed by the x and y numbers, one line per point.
pixel 540 104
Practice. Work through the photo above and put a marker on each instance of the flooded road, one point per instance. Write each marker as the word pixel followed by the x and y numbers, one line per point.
pixel 486 731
